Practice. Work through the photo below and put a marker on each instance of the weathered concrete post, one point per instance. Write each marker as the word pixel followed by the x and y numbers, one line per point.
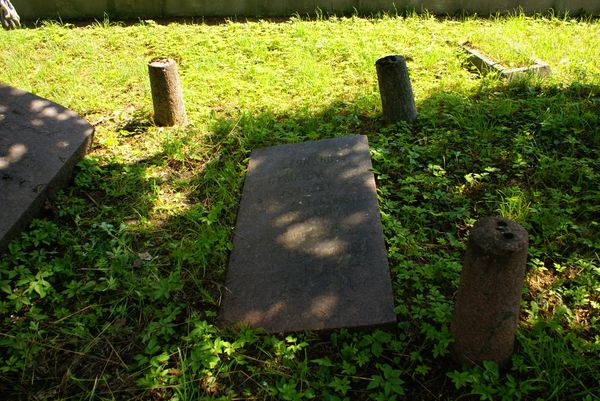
pixel 395 89
pixel 487 304
pixel 167 95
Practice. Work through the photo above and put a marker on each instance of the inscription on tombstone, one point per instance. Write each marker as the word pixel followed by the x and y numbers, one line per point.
pixel 308 251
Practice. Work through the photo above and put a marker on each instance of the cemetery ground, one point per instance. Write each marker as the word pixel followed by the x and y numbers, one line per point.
pixel 113 292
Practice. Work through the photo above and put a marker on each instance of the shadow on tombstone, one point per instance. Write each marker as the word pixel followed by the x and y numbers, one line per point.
pixel 308 249
pixel 40 144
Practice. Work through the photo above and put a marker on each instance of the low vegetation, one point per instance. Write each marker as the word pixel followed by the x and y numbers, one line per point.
pixel 113 292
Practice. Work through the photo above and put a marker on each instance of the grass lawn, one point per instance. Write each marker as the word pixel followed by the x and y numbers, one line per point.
pixel 113 292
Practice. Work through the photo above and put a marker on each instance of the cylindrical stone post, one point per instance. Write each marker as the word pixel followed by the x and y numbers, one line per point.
pixel 395 89
pixel 167 95
pixel 487 303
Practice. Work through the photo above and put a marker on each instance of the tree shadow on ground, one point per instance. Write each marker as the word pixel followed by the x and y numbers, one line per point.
pixel 502 136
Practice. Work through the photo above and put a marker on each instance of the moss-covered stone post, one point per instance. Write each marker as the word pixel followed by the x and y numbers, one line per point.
pixel 396 92
pixel 487 303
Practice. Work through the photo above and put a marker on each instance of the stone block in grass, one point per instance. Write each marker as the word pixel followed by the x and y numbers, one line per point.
pixel 40 144
pixel 308 251
pixel 486 65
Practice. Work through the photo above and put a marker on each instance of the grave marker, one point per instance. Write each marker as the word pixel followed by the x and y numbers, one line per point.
pixel 40 143
pixel 308 250
pixel 485 64
pixel 486 313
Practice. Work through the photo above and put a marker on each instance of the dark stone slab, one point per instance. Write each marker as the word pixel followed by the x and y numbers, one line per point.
pixel 308 251
pixel 40 143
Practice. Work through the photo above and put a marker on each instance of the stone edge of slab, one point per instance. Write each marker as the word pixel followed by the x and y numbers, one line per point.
pixel 485 64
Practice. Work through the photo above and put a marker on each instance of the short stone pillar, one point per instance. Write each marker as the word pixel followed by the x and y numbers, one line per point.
pixel 395 89
pixel 487 304
pixel 167 95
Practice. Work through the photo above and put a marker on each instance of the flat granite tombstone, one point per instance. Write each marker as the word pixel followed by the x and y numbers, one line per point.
pixel 308 251
pixel 40 143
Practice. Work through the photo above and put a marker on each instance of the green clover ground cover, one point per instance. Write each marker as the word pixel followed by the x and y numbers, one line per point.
pixel 113 292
